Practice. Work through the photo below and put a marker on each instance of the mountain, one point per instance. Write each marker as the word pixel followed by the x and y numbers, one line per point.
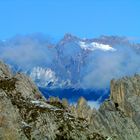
pixel 44 77
pixel 73 64
pixel 34 117
pixel 73 57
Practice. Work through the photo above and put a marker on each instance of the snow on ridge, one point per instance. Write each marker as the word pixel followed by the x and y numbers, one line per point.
pixel 95 46
pixel 45 76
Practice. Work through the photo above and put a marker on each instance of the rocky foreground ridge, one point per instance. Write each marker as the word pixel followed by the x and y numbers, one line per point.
pixel 26 115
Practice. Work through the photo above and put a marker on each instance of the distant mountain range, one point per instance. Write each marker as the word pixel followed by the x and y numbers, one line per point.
pixel 72 63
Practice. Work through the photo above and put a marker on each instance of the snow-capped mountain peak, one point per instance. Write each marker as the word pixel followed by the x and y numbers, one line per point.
pixel 95 46
pixel 43 76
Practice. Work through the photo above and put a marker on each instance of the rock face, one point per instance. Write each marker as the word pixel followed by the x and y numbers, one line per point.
pixel 4 71
pixel 26 115
pixel 119 117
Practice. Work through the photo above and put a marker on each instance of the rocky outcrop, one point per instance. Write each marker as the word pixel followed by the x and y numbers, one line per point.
pixel 82 110
pixel 4 71
pixel 119 117
pixel 26 115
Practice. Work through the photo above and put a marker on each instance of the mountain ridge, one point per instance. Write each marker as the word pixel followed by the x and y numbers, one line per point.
pixel 67 58
pixel 34 117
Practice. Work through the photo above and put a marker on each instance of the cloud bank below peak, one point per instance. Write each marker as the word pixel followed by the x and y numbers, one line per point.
pixel 86 63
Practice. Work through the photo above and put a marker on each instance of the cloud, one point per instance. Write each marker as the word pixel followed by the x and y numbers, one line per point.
pixel 27 51
pixel 98 68
pixel 103 67
pixel 94 104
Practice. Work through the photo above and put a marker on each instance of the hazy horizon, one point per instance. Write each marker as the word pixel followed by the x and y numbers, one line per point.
pixel 86 18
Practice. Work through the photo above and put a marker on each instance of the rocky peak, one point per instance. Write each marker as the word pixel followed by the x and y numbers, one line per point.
pixel 4 71
pixel 126 91
pixel 118 117
pixel 66 39
pixel 81 102
pixel 69 36
pixel 113 40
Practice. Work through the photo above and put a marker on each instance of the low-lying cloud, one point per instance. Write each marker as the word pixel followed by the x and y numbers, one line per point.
pixel 105 65
pixel 27 52
pixel 99 68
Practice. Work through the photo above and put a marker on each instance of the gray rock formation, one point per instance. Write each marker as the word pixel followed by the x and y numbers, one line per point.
pixel 4 71
pixel 26 115
pixel 119 117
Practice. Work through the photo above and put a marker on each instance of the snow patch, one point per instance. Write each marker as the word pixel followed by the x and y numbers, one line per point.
pixel 42 76
pixel 95 46
pixel 45 105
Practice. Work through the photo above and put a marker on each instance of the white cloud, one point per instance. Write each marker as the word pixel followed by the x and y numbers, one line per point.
pixel 94 104
pixel 102 67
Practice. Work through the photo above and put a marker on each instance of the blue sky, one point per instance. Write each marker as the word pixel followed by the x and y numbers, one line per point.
pixel 84 18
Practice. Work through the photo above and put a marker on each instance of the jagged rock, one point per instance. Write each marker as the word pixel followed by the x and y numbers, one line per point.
pixel 119 116
pixel 65 103
pixel 26 87
pixel 26 115
pixel 10 119
pixel 83 110
pixel 4 71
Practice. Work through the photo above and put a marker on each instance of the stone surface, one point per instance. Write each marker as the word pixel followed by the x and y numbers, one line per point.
pixel 4 71
pixel 119 117
pixel 26 115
